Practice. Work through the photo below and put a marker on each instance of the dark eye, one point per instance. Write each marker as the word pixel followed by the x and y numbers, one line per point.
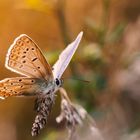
pixel 57 82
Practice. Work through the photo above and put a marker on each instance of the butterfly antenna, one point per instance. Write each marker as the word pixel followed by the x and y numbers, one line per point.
pixel 82 80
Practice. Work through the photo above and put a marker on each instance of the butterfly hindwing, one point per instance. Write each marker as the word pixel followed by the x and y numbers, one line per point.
pixel 19 86
pixel 24 57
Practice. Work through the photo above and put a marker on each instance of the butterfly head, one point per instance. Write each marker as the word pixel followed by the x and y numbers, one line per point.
pixel 58 82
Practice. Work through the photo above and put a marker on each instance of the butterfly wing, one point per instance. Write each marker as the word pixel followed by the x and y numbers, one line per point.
pixel 25 58
pixel 20 86
pixel 65 57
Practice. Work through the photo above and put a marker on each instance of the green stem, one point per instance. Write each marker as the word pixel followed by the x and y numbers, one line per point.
pixel 60 11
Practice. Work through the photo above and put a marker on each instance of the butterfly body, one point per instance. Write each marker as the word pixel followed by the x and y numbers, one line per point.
pixel 51 86
pixel 38 77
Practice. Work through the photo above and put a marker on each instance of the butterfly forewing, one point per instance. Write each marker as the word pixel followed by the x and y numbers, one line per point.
pixel 65 57
pixel 24 57
pixel 19 86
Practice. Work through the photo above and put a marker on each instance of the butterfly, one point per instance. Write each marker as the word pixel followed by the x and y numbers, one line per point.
pixel 38 79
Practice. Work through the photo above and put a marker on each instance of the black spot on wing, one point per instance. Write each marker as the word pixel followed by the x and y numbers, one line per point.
pixel 23 56
pixel 23 61
pixel 34 59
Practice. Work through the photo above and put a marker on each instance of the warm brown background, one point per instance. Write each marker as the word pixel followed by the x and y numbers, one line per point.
pixel 108 56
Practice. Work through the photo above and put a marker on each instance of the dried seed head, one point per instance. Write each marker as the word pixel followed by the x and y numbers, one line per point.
pixel 72 114
pixel 43 106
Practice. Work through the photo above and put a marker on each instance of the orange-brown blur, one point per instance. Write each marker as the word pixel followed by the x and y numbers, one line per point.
pixel 108 56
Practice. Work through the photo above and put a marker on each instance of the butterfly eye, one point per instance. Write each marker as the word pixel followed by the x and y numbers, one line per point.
pixel 57 82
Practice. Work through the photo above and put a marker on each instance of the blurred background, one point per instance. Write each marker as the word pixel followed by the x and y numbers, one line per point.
pixel 108 56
